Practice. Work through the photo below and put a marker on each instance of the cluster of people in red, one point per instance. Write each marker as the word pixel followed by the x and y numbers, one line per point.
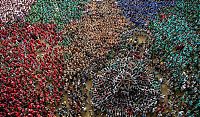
pixel 31 70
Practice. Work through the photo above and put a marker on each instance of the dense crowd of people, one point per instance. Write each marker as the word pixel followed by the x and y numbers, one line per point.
pixel 11 10
pixel 45 71
pixel 127 87
pixel 142 11
pixel 176 47
pixel 31 70
pixel 87 50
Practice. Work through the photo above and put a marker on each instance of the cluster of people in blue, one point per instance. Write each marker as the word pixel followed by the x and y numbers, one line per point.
pixel 142 11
